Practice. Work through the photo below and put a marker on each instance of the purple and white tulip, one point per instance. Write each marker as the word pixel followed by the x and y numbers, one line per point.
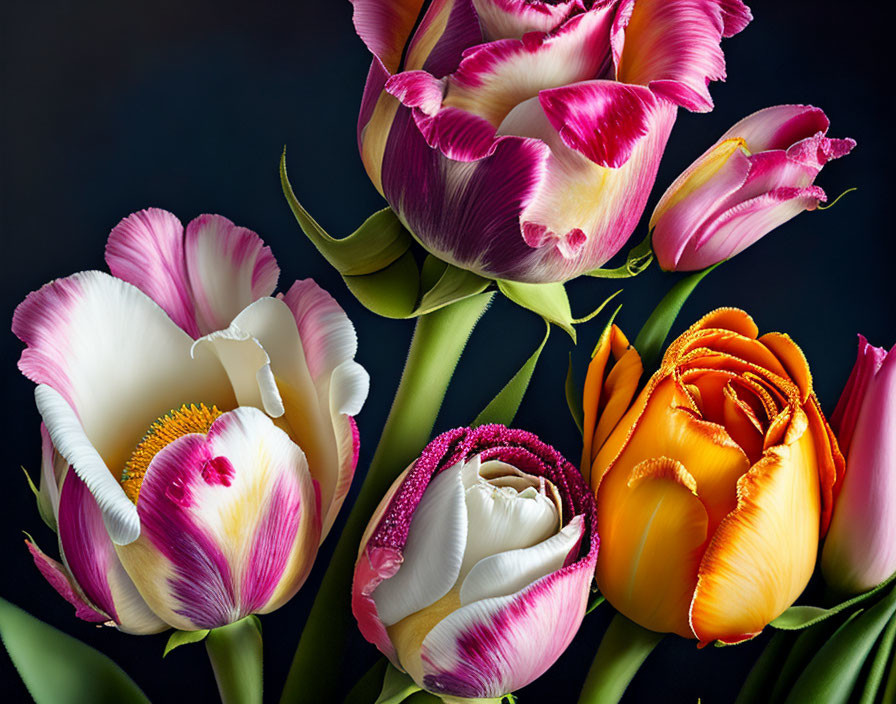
pixel 757 176
pixel 198 433
pixel 860 550
pixel 519 139
pixel 474 573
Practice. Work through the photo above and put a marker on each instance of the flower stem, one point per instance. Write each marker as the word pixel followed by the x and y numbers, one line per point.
pixel 439 339
pixel 622 650
pixel 235 653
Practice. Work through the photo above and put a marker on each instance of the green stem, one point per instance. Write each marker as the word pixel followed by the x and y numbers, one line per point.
pixel 235 653
pixel 622 651
pixel 439 339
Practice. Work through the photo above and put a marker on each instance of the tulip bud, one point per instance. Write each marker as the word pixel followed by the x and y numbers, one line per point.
pixel 713 484
pixel 860 550
pixel 759 175
pixel 474 573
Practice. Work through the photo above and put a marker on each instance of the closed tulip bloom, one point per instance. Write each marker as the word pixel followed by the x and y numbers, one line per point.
pixel 760 174
pixel 519 139
pixel 198 437
pixel 474 573
pixel 713 483
pixel 860 550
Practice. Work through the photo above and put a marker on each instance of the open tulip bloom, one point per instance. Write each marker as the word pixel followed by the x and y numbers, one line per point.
pixel 198 438
pixel 474 573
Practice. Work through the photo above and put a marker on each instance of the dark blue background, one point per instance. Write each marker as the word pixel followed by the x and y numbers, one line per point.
pixel 110 107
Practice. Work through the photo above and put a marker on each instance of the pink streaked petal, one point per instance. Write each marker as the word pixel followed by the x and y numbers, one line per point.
pixel 778 127
pixel 348 442
pixel 230 523
pixel 845 415
pixel 417 89
pixel 818 150
pixel 498 645
pixel 745 223
pixel 447 29
pixel 93 563
pixel 495 77
pixel 672 46
pixel 457 134
pixel 52 468
pixel 384 26
pixel 373 567
pixel 577 194
pixel 146 249
pixel 229 267
pixel 511 19
pixel 601 120
pixel 60 579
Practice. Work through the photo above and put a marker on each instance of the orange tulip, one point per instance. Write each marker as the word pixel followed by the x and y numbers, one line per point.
pixel 714 486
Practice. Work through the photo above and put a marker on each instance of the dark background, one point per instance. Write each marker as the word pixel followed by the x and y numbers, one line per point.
pixel 109 107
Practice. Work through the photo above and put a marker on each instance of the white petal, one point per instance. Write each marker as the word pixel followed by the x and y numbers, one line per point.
pixel 433 553
pixel 348 388
pixel 508 572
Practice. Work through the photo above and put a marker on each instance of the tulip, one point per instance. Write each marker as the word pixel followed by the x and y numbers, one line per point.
pixel 759 175
pixel 198 433
pixel 714 484
pixel 519 139
pixel 474 572
pixel 860 550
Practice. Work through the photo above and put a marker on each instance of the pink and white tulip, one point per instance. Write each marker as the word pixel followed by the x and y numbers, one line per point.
pixel 474 573
pixel 519 139
pixel 860 550
pixel 757 176
pixel 198 432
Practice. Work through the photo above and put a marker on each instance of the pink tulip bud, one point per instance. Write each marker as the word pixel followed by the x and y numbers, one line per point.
pixel 860 550
pixel 758 176
pixel 474 573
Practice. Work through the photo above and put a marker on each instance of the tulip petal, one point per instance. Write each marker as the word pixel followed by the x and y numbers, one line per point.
pixel 433 553
pixel 845 415
pixel 60 579
pixel 384 26
pixel 90 556
pixel 112 362
pixel 146 249
pixel 653 529
pixel 526 632
pixel 672 46
pixel 505 573
pixel 778 127
pixel 231 523
pixel 52 468
pixel 618 392
pixel 511 19
pixel 375 118
pixel 447 29
pixel 229 267
pixel 763 554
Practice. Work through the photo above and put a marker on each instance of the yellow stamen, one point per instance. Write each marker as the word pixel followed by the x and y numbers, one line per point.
pixel 175 424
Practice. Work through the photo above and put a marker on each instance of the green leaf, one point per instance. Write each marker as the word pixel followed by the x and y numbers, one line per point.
pixel 804 649
pixel 58 669
pixel 43 503
pixel 366 688
pixel 596 600
pixel 548 300
pixel 397 686
pixel 879 665
pixel 574 398
pixel 639 258
pixel 391 292
pixel 832 674
pixel 503 407
pixel 799 617
pixel 757 687
pixel 377 243
pixel 453 284
pixel 649 342
pixel 179 638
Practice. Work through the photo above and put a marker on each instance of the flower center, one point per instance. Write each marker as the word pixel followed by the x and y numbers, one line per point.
pixel 173 425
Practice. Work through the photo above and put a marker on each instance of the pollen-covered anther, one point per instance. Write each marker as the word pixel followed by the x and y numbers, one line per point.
pixel 192 418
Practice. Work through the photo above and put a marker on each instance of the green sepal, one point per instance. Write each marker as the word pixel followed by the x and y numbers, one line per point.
pixel 503 407
pixel 391 292
pixel 548 300
pixel 179 638
pixel 397 686
pixel 832 674
pixel 649 342
pixel 574 398
pixel 59 669
pixel 451 284
pixel 639 258
pixel 43 503
pixel 596 600
pixel 799 617
pixel 379 241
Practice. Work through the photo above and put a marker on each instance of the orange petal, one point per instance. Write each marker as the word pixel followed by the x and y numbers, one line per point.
pixel 617 394
pixel 594 381
pixel 792 358
pixel 653 529
pixel 763 554
pixel 831 465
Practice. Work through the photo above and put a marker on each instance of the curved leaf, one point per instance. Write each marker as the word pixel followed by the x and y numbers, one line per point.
pixel 574 397
pixel 391 292
pixel 879 666
pixel 503 407
pixel 453 284
pixel 548 300
pixel 798 617
pixel 639 258
pixel 757 687
pixel 179 638
pixel 397 686
pixel 59 669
